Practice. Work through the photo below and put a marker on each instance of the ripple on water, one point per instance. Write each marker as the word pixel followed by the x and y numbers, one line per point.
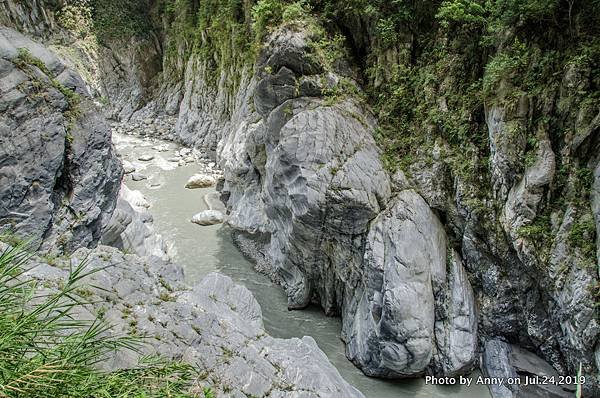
pixel 201 250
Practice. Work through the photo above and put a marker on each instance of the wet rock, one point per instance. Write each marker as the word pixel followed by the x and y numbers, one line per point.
pixel 146 157
pixel 208 217
pixel 503 361
pixel 200 181
pixel 128 167
pixel 138 177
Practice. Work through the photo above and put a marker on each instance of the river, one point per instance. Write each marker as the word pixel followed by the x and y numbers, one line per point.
pixel 201 250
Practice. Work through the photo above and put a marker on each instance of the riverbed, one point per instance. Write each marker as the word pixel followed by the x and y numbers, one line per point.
pixel 204 249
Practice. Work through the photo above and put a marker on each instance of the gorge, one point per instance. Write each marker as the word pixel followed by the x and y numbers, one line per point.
pixel 423 177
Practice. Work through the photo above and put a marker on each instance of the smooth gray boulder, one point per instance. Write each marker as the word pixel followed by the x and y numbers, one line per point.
pixel 389 334
pixel 208 217
pixel 200 181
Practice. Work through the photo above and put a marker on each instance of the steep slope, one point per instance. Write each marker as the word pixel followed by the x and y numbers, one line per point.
pixel 59 174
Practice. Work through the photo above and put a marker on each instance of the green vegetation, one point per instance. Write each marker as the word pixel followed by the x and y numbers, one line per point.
pixel 48 352
pixel 25 60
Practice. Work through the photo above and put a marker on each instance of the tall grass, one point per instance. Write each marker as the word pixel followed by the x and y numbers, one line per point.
pixel 46 351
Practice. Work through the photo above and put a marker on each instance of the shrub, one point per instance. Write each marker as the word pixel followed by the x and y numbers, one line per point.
pixel 47 352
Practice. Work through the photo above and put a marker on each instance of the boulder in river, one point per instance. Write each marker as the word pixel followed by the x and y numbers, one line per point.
pixel 146 157
pixel 208 217
pixel 161 148
pixel 200 181
pixel 138 177
pixel 128 167
pixel 135 198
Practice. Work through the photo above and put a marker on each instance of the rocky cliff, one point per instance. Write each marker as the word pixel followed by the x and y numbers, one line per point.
pixel 428 174
pixel 424 265
pixel 61 187
pixel 59 174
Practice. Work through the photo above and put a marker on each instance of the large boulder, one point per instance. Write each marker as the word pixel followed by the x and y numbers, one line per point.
pixel 304 178
pixel 413 310
pixel 200 181
pixel 208 217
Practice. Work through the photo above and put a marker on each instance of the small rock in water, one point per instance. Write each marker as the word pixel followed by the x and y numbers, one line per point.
pixel 128 167
pixel 185 151
pixel 189 159
pixel 174 159
pixel 138 177
pixel 200 181
pixel 161 148
pixel 146 158
pixel 208 217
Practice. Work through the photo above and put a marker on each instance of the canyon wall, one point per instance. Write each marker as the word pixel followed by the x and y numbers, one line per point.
pixel 436 221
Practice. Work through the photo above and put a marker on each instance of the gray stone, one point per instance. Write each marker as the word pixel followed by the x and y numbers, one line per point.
pixel 200 181
pixel 138 177
pixel 59 176
pixel 216 326
pixel 208 217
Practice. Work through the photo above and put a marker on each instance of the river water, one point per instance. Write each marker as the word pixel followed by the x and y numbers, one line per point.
pixel 201 250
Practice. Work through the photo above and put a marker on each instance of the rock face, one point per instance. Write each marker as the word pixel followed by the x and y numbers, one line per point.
pixel 130 228
pixel 59 176
pixel 215 325
pixel 504 361
pixel 304 176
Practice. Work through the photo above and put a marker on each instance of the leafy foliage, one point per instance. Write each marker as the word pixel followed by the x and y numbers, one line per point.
pixel 46 351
